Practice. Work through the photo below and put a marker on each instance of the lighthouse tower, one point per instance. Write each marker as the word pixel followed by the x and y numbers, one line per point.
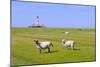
pixel 36 23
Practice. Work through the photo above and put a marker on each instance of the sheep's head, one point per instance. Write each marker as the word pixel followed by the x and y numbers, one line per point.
pixel 36 41
pixel 63 40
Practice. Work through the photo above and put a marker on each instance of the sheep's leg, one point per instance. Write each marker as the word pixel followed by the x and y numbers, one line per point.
pixel 40 51
pixel 68 47
pixel 48 50
pixel 72 46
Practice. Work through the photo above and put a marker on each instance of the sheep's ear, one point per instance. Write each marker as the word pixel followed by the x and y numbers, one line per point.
pixel 34 40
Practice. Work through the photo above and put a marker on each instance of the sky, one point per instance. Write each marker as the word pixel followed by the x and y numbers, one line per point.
pixel 52 15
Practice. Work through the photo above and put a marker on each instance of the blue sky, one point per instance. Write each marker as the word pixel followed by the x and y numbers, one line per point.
pixel 53 15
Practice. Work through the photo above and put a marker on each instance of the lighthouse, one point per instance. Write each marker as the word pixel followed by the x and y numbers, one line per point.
pixel 36 23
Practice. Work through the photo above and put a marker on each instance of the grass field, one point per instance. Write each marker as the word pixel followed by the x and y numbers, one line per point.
pixel 24 52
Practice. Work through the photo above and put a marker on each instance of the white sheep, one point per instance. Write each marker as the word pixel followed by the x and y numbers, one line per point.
pixel 43 45
pixel 66 32
pixel 69 43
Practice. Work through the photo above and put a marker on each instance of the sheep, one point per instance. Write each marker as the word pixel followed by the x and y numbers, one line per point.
pixel 43 45
pixel 66 32
pixel 68 43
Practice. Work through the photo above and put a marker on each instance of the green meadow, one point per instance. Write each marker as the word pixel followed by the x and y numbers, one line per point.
pixel 24 51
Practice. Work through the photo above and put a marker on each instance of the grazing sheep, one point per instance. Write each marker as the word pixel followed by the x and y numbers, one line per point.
pixel 69 43
pixel 66 32
pixel 43 45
